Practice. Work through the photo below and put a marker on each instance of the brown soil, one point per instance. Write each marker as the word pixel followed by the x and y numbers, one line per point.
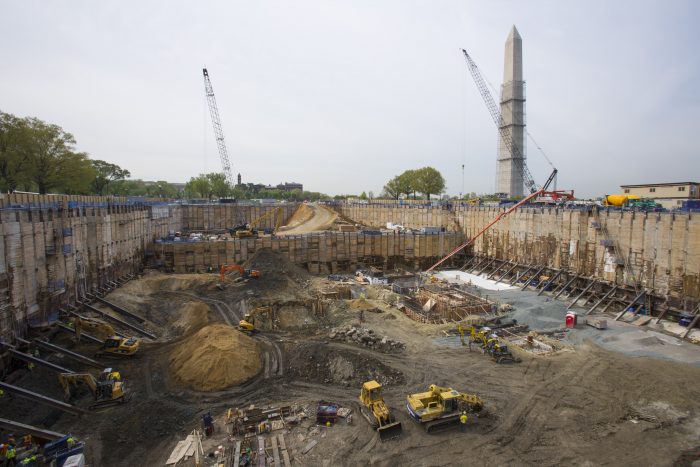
pixel 309 218
pixel 214 358
pixel 586 406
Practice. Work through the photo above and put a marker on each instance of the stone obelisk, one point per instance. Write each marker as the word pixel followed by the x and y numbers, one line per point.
pixel 509 172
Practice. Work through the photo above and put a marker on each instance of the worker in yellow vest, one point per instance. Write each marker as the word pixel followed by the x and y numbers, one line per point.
pixel 11 456
pixel 463 422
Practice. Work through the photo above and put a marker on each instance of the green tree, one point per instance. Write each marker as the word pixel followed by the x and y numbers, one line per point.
pixel 127 188
pixel 52 161
pixel 218 186
pixel 406 183
pixel 162 189
pixel 392 189
pixel 13 147
pixel 106 173
pixel 363 195
pixel 429 181
pixel 75 174
pixel 199 186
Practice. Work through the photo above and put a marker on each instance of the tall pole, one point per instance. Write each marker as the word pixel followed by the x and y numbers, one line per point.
pixel 462 193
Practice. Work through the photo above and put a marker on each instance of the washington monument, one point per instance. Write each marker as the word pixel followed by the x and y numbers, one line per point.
pixel 509 172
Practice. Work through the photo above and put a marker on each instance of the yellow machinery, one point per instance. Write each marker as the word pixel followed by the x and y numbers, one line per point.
pixel 441 407
pixel 114 345
pixel 247 324
pixel 474 201
pixel 377 413
pixel 488 343
pixel 251 231
pixel 618 200
pixel 108 390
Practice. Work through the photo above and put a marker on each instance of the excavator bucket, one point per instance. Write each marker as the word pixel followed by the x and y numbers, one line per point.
pixel 389 431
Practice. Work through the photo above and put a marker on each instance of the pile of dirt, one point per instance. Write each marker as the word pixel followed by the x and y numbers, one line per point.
pixel 214 358
pixel 362 304
pixel 300 216
pixel 324 364
pixel 270 261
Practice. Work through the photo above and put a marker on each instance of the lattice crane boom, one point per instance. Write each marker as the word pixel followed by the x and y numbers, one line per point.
pixel 218 131
pixel 503 130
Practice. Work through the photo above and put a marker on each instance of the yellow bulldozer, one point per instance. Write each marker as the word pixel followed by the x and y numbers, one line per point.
pixel 488 343
pixel 113 345
pixel 107 390
pixel 441 407
pixel 377 413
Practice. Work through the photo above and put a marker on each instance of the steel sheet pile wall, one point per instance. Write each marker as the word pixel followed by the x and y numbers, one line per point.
pixel 321 253
pixel 197 217
pixel 50 254
pixel 661 250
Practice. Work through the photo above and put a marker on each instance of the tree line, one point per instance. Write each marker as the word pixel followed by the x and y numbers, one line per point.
pixel 41 157
pixel 426 180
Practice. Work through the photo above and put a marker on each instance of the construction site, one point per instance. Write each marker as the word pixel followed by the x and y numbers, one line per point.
pixel 154 333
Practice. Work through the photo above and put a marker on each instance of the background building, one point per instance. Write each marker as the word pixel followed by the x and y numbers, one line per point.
pixel 668 195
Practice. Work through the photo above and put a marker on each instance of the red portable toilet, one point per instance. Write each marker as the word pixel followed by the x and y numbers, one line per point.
pixel 570 319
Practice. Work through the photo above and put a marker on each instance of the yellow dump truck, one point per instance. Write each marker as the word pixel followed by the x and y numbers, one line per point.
pixel 441 407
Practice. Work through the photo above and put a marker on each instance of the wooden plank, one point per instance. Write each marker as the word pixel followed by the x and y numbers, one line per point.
pixel 237 455
pixel 179 451
pixel 275 452
pixel 642 320
pixel 261 452
pixel 285 454
pixel 309 446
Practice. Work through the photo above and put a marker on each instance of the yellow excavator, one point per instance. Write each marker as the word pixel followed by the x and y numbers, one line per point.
pixel 377 413
pixel 113 345
pixel 441 407
pixel 107 390
pixel 249 229
pixel 488 343
pixel 247 324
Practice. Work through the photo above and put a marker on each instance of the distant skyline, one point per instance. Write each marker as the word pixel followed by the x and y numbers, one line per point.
pixel 342 96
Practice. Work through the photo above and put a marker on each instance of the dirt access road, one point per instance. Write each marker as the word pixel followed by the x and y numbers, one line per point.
pixel 310 217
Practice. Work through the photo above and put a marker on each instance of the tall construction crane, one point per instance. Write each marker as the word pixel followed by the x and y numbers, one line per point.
pixel 504 130
pixel 507 137
pixel 218 131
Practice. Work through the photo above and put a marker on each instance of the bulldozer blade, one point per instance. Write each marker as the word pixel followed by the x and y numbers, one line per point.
pixel 390 431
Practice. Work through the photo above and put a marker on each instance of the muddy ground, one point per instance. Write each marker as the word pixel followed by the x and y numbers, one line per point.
pixel 589 406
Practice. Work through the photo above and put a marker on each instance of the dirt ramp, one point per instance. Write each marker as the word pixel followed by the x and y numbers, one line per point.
pixel 215 358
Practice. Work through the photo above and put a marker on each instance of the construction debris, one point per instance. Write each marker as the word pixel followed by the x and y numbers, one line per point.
pixel 367 338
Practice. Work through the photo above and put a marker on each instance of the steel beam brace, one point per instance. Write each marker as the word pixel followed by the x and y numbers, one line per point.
pixel 554 277
pixel 636 299
pixel 120 321
pixel 565 286
pixel 497 269
pixel 17 427
pixel 66 352
pixel 609 292
pixel 31 358
pixel 121 310
pixel 528 281
pixel 21 392
pixel 591 284
pixel 505 274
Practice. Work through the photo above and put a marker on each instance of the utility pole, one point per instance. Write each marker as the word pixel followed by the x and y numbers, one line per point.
pixel 460 195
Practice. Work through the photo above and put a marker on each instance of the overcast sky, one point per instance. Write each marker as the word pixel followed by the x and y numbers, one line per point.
pixel 343 95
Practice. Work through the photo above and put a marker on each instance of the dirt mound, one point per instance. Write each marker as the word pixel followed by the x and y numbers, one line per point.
pixel 214 358
pixel 362 304
pixel 300 216
pixel 269 261
pixel 324 364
